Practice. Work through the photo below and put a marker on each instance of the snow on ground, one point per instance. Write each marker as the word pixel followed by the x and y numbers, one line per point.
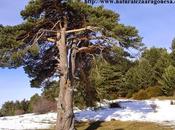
pixel 131 110
pixel 27 121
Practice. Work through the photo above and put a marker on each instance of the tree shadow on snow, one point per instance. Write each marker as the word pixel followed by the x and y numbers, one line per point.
pixel 94 125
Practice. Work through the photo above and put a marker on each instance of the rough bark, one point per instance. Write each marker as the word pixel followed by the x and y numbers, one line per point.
pixel 65 116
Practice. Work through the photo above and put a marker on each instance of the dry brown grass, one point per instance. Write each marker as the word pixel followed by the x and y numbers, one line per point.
pixel 120 125
pixel 165 98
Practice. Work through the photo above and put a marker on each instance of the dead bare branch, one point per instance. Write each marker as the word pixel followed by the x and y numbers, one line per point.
pixel 90 48
pixel 82 29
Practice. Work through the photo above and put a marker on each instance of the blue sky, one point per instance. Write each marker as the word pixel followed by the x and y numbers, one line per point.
pixel 14 84
pixel 156 23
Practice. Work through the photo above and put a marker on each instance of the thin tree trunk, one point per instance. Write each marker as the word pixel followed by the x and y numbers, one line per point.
pixel 65 115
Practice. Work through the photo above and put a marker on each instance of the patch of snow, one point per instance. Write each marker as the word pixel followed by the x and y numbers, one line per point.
pixel 27 121
pixel 159 111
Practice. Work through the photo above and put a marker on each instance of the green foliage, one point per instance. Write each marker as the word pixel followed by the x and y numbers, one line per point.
pixel 34 50
pixel 173 44
pixel 153 55
pixel 40 58
pixel 8 109
pixel 79 99
pixel 11 108
pixel 8 41
pixel 33 9
pixel 107 77
pixel 159 59
pixel 33 100
pixel 168 81
pixel 51 91
pixel 161 64
pixel 38 104
pixel 148 71
pixel 172 54
pixel 140 76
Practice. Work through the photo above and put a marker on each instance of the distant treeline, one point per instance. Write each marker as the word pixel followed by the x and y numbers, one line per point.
pixel 37 104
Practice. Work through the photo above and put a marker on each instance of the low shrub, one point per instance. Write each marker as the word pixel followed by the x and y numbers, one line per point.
pixel 1 115
pixel 43 106
pixel 150 92
pixel 19 112
pixel 140 95
pixel 154 91
pixel 130 93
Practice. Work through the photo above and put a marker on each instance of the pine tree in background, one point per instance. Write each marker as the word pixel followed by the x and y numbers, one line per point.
pixel 168 81
pixel 140 76
pixel 159 59
pixel 51 90
pixel 172 54
pixel 11 108
pixel 108 73
pixel 8 109
pixel 173 44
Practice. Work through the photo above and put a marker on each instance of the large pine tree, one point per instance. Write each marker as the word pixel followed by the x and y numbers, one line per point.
pixel 57 39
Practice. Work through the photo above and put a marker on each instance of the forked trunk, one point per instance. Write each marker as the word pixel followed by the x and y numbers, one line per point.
pixel 65 115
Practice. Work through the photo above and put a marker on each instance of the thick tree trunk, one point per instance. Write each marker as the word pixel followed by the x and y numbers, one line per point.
pixel 65 115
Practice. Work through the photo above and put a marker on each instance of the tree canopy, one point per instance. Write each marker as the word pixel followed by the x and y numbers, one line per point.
pixel 28 44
